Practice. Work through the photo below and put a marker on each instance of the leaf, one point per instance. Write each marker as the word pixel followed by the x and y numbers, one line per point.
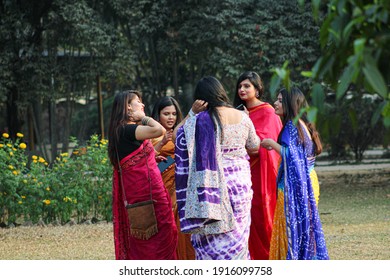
pixel 359 45
pixel 377 114
pixel 353 119
pixel 318 96
pixel 312 114
pixel 274 85
pixel 345 81
pixel 374 77
pixel 386 122
pixel 307 74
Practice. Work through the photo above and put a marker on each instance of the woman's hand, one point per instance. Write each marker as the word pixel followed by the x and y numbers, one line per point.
pixel 199 106
pixel 167 137
pixel 138 115
pixel 160 158
pixel 270 144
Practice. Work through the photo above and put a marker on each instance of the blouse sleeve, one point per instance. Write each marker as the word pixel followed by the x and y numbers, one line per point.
pixel 253 140
pixel 129 132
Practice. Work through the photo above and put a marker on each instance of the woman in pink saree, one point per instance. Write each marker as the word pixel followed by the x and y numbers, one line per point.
pixel 129 144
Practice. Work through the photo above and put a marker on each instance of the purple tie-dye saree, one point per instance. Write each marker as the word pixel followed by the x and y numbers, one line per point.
pixel 213 191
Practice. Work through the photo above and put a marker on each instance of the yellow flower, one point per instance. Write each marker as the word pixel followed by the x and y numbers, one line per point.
pixel 41 159
pixel 15 172
pixel 64 154
pixel 35 161
pixel 11 154
pixel 48 189
pixel 9 145
pixel 20 135
pixel 100 197
pixel 5 135
pixel 25 181
pixel 23 196
pixel 34 157
pixel 47 201
pixel 75 152
pixel 20 202
pixel 1 145
pixel 22 146
pixel 11 167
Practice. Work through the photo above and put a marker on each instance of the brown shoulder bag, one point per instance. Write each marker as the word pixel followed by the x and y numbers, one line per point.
pixel 142 217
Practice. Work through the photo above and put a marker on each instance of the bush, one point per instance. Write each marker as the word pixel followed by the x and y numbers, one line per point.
pixel 75 186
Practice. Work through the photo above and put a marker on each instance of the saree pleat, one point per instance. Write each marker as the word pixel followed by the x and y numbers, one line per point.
pixel 135 180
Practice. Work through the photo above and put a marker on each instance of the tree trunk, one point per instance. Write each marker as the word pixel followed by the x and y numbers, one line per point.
pixel 53 131
pixel 13 120
pixel 100 106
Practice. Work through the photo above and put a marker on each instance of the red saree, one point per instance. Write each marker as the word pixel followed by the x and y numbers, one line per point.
pixel 264 169
pixel 161 246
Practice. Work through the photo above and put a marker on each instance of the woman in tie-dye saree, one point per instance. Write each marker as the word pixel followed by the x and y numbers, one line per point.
pixel 213 179
pixel 297 231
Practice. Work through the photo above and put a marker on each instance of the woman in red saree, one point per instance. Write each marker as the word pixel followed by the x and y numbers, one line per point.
pixel 264 166
pixel 129 144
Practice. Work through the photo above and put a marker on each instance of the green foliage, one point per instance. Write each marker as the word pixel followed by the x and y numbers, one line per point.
pixel 75 186
pixel 355 37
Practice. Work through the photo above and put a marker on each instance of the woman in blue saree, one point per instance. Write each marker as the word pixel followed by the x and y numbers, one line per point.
pixel 297 231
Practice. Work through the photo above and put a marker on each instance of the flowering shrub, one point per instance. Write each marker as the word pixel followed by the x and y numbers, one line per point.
pixel 76 185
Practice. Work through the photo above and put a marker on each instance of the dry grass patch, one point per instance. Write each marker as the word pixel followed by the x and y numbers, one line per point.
pixel 354 209
pixel 87 242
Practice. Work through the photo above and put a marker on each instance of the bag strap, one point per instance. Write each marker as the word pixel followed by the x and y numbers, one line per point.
pixel 121 180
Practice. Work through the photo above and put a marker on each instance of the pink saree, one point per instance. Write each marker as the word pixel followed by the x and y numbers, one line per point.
pixel 161 246
pixel 264 169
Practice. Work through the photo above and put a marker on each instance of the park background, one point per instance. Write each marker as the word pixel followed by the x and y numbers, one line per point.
pixel 61 63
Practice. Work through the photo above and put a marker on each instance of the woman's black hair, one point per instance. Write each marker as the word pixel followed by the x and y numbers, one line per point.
pixel 165 102
pixel 255 80
pixel 292 103
pixel 119 117
pixel 212 91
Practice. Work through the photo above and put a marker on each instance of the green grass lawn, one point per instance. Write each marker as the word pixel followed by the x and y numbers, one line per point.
pixel 355 213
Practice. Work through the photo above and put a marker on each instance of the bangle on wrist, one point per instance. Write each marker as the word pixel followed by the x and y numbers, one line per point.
pixel 191 113
pixel 145 120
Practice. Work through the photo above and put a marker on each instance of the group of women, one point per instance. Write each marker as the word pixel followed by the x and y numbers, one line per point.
pixel 242 186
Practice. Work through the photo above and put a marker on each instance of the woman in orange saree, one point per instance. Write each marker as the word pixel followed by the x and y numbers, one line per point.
pixel 264 166
pixel 168 113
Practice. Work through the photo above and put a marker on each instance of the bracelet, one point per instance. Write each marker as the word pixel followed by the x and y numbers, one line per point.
pixel 145 120
pixel 191 113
